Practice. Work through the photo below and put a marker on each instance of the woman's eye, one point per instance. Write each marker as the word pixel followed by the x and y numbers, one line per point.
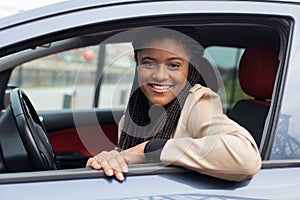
pixel 174 66
pixel 149 65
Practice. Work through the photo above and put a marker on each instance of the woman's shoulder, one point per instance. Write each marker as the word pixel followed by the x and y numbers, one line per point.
pixel 205 95
pixel 198 89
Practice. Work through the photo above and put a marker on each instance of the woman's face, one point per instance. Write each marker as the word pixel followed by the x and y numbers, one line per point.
pixel 162 70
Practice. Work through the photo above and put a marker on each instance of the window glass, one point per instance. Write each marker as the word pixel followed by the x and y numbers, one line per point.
pixel 226 60
pixel 287 138
pixel 287 141
pixel 68 79
pixel 117 75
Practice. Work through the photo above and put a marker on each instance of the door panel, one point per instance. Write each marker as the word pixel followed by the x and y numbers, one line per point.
pixel 77 135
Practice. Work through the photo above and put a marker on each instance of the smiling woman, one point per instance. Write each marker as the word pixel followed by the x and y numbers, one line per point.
pixel 189 128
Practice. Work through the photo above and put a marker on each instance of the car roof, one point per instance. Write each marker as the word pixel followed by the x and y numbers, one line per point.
pixel 209 35
pixel 239 35
pixel 56 9
pixel 74 5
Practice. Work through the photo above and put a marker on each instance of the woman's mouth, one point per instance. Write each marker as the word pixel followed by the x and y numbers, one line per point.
pixel 159 87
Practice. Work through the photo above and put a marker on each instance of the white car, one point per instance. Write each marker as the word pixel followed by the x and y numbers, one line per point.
pixel 66 71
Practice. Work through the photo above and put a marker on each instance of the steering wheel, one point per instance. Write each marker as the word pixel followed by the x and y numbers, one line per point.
pixel 32 132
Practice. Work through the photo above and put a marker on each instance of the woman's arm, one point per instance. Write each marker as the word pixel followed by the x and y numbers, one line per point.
pixel 214 144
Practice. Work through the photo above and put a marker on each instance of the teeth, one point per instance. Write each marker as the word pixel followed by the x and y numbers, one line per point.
pixel 161 87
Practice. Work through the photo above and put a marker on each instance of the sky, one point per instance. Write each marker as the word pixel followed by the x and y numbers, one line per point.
pixel 8 7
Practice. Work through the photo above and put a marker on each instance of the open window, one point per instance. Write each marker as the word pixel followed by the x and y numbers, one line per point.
pixel 91 68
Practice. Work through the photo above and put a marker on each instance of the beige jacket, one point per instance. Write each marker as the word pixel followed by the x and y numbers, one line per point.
pixel 208 142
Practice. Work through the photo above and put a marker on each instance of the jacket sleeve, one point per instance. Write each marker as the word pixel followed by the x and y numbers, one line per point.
pixel 215 145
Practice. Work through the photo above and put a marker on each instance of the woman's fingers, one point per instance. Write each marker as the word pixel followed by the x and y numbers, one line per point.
pixel 112 163
pixel 93 163
pixel 107 168
pixel 122 164
pixel 116 163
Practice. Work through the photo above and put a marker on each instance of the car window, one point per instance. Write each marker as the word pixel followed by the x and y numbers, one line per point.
pixel 287 138
pixel 101 75
pixel 116 78
pixel 69 79
pixel 227 60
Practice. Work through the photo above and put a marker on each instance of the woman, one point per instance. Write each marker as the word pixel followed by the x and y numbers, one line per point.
pixel 171 118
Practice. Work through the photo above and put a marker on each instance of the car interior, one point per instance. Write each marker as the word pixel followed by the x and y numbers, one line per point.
pixel 257 74
pixel 32 139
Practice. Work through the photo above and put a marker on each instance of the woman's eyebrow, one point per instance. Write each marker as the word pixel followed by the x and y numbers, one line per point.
pixel 168 59
pixel 176 58
pixel 148 58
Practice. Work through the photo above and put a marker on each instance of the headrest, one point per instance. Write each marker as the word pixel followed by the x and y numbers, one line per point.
pixel 257 70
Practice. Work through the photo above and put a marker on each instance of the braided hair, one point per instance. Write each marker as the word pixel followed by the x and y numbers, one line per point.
pixel 138 125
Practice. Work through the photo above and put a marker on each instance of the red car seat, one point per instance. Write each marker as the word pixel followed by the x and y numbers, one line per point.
pixel 257 73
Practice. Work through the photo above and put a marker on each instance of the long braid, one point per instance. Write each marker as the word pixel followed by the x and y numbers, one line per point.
pixel 138 126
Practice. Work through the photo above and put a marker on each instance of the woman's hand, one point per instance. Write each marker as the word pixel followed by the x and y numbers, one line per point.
pixel 116 163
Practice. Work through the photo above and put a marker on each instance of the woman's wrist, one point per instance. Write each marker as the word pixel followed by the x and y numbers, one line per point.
pixel 153 149
pixel 135 154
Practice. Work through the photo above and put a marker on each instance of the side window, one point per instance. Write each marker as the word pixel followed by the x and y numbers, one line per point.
pixel 116 78
pixel 226 60
pixel 287 139
pixel 69 79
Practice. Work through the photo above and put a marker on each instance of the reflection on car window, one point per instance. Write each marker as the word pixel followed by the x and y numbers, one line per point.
pixel 68 78
pixel 287 142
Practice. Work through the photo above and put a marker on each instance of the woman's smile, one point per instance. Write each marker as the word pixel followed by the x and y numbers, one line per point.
pixel 160 88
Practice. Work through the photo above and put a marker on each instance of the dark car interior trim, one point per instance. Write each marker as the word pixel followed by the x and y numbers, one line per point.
pixel 104 116
pixel 83 173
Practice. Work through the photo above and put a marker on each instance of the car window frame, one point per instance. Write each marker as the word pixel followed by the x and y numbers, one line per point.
pixel 107 26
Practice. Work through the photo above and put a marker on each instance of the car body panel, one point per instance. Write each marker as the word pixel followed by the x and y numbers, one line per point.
pixel 184 185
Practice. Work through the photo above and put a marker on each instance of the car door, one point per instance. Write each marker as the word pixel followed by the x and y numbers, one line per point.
pixel 220 25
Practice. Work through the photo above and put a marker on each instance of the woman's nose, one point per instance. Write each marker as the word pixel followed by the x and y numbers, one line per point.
pixel 160 73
